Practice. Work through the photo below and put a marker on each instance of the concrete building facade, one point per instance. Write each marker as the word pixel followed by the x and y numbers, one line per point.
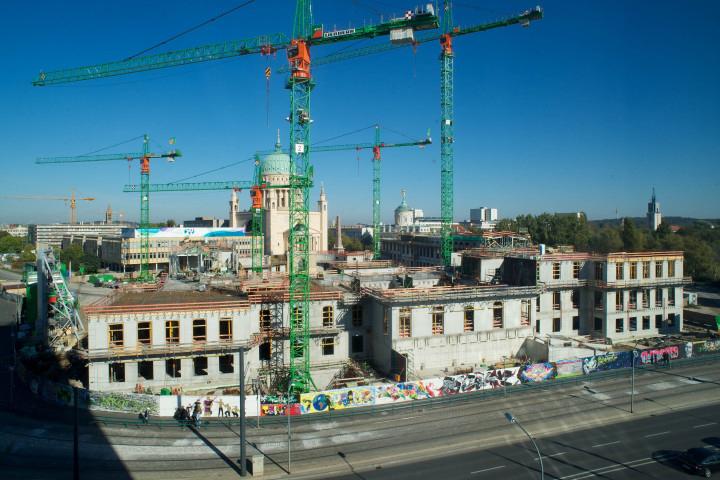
pixel 410 322
pixel 44 236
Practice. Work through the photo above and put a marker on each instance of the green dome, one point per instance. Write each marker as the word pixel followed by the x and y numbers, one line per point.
pixel 403 207
pixel 276 163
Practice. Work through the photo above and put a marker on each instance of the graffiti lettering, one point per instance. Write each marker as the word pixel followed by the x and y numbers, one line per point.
pixel 657 354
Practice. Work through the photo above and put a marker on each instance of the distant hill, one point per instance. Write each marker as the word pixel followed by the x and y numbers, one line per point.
pixel 680 221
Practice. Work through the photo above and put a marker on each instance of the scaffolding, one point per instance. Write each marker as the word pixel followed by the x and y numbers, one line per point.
pixel 64 326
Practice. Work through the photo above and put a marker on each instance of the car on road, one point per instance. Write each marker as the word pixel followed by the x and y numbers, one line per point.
pixel 700 460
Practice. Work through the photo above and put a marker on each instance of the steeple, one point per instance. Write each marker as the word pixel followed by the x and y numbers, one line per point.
pixel 278 145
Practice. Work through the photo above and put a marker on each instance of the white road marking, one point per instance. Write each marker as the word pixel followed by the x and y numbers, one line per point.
pixel 487 469
pixel 705 425
pixel 551 455
pixel 605 444
pixel 395 419
pixel 614 468
pixel 657 434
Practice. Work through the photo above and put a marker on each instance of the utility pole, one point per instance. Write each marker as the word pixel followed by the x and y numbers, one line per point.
pixel 287 413
pixel 632 380
pixel 243 456
pixel 76 458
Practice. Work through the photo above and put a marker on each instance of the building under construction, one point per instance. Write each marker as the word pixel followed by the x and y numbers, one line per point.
pixel 404 321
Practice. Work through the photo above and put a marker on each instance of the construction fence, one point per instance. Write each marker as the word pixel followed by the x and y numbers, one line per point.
pixel 492 379
pixel 366 396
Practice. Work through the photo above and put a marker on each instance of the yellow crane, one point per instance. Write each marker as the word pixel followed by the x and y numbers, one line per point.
pixel 71 200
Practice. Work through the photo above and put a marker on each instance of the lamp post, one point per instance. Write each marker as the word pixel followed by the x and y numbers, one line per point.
pixel 632 380
pixel 243 455
pixel 287 413
pixel 510 418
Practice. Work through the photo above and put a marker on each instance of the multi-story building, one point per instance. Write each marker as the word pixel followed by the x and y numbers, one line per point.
pixel 44 236
pixel 412 322
pixel 123 253
pixel 424 250
pixel 193 339
pixel 205 222
pixel 15 230
pixel 614 296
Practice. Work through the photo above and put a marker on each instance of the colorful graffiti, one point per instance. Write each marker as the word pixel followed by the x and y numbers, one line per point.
pixel 279 409
pixel 337 399
pixel 656 355
pixel 401 392
pixel 708 346
pixel 607 361
pixel 537 372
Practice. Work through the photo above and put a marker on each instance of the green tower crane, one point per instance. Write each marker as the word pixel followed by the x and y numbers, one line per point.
pixel 300 84
pixel 257 186
pixel 446 100
pixel 446 135
pixel 376 148
pixel 144 158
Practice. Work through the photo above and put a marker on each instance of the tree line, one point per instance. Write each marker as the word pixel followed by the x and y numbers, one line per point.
pixel 699 241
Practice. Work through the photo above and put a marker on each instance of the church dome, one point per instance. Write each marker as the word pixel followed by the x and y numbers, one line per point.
pixel 276 163
pixel 403 207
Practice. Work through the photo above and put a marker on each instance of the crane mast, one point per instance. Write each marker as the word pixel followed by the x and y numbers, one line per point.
pixel 446 136
pixel 298 260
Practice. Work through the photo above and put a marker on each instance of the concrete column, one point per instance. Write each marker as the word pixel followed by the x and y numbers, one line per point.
pixel 186 369
pixel 213 367
pixel 158 370
pixel 338 243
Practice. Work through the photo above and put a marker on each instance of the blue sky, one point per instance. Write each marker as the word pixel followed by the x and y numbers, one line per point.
pixel 587 109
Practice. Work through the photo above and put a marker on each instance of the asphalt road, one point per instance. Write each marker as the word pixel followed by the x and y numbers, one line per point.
pixel 643 448
pixel 8 275
pixel 577 427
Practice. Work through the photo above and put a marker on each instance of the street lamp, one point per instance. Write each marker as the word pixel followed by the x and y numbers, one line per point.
pixel 632 380
pixel 287 413
pixel 510 418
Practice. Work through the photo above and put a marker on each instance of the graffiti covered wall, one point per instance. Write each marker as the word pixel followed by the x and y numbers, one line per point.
pixel 339 399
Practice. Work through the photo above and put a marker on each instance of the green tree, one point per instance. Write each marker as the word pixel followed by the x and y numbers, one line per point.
pixel 10 244
pixel 170 223
pixel 605 240
pixel 91 262
pixel 72 256
pixel 631 237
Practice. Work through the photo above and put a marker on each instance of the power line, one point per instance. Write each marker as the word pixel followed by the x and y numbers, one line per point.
pixel 191 29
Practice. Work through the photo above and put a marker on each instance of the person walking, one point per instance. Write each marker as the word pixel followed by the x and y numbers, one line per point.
pixel 221 411
pixel 197 412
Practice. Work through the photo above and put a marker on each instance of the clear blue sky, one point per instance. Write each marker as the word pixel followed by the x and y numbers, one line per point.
pixel 587 109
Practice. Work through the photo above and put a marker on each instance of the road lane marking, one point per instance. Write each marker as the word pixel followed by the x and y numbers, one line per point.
pixel 487 469
pixel 657 434
pixel 616 467
pixel 395 419
pixel 605 444
pixel 705 425
pixel 551 455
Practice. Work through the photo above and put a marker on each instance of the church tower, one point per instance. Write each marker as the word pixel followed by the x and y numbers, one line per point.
pixel 654 217
pixel 322 209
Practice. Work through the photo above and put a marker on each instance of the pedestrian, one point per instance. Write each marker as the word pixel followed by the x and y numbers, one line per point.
pixel 236 412
pixel 146 416
pixel 221 411
pixel 197 412
pixel 666 356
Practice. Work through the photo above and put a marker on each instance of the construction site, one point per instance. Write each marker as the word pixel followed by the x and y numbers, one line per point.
pixel 268 290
